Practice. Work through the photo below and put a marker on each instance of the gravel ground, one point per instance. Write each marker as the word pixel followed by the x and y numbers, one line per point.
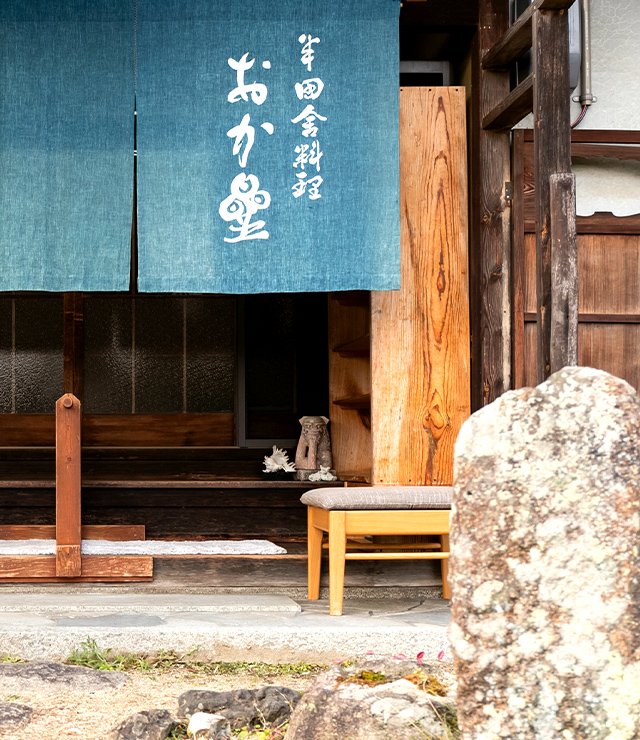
pixel 91 716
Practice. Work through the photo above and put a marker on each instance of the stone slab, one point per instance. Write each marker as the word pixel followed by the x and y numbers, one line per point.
pixel 100 602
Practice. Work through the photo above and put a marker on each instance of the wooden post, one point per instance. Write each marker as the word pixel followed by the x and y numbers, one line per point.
pixel 490 245
pixel 564 272
pixel 68 507
pixel 518 258
pixel 420 333
pixel 552 152
pixel 73 333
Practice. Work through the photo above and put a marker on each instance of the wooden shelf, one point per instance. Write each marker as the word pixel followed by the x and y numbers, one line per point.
pixel 360 347
pixel 360 404
pixel 355 403
pixel 352 297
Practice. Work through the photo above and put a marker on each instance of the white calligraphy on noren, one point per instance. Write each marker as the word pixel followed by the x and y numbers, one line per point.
pixel 246 198
pixel 308 154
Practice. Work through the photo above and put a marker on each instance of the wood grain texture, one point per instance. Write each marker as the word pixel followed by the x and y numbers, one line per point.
pixel 117 533
pixel 552 152
pixel 608 303
pixel 159 430
pixel 95 568
pixel 420 334
pixel 564 272
pixel 123 430
pixel 518 264
pixel 349 377
pixel 490 224
pixel 512 108
pixel 68 476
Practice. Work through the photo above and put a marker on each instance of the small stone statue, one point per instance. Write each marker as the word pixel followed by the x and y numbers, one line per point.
pixel 314 447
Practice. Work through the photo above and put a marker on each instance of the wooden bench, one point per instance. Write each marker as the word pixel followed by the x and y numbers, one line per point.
pixel 376 510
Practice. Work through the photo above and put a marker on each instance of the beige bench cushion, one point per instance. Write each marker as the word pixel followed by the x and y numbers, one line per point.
pixel 379 497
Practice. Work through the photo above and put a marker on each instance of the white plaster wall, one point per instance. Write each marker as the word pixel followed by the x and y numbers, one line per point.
pixel 615 66
pixel 610 185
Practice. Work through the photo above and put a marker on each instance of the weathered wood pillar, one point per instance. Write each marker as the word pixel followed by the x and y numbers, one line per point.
pixel 552 152
pixel 491 243
pixel 564 272
pixel 68 506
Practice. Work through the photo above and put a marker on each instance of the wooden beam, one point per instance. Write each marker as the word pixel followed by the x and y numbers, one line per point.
pixel 490 224
pixel 110 532
pixel 517 40
pixel 68 510
pixel 564 272
pixel 512 109
pixel 552 153
pixel 596 318
pixel 597 136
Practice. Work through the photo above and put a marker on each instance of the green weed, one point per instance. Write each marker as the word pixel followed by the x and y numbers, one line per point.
pixel 11 659
pixel 91 655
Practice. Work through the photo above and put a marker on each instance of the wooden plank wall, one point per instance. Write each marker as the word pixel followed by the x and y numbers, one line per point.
pixel 420 334
pixel 608 305
pixel 608 269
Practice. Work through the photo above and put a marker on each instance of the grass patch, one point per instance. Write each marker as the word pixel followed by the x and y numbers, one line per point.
pixel 11 659
pixel 89 654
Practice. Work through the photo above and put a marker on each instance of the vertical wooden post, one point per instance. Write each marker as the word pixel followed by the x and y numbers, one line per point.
pixel 564 272
pixel 490 232
pixel 517 259
pixel 420 333
pixel 68 506
pixel 552 152
pixel 74 344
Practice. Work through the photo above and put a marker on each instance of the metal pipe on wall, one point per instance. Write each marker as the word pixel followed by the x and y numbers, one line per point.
pixel 586 96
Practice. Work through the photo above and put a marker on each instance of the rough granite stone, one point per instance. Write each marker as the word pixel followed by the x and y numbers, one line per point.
pixel 154 724
pixel 14 716
pixel 333 709
pixel 16 678
pixel 545 567
pixel 243 707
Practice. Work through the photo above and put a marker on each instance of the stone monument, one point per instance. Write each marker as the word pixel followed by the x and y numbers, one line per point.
pixel 545 571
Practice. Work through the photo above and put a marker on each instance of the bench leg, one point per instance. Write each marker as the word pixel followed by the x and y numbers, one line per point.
pixel 337 550
pixel 314 557
pixel 444 567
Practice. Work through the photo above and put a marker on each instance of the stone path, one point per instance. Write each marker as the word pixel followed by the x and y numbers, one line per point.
pixel 267 628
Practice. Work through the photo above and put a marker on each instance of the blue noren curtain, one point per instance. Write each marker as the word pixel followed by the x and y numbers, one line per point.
pixel 268 145
pixel 66 144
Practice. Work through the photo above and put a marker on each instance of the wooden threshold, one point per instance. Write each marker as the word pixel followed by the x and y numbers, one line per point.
pixel 95 568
